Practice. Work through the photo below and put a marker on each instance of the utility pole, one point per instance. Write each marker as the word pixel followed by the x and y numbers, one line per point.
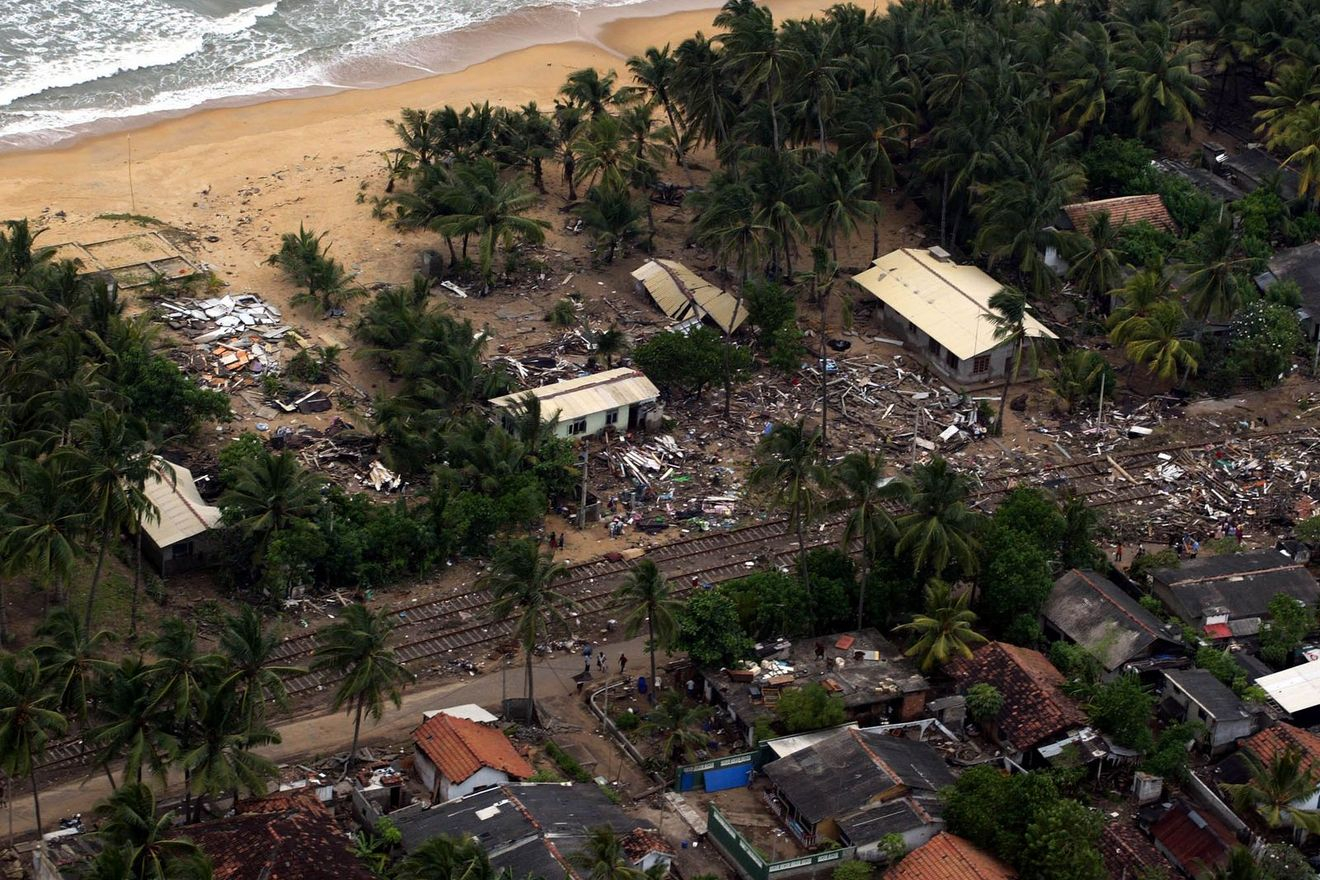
pixel 582 508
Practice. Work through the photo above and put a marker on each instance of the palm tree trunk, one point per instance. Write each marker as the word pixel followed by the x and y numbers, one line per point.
pixel 650 634
pixel 96 577
pixel 1003 399
pixel 866 577
pixel 110 777
pixel 36 797
pixel 187 794
pixel 357 728
pixel 4 616
pixel 802 555
pixel 824 374
pixel 530 688
pixel 944 209
pixel 137 580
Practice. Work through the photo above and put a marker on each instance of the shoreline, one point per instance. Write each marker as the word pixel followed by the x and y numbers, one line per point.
pixel 420 59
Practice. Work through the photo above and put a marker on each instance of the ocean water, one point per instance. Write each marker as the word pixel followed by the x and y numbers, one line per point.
pixel 66 65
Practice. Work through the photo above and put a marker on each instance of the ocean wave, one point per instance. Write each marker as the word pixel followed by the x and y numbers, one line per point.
pixel 111 61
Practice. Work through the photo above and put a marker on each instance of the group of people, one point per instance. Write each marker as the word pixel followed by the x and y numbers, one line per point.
pixel 1187 546
pixel 601 662
pixel 554 542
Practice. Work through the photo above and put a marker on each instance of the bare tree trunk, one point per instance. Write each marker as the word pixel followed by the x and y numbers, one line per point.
pixel 96 577
pixel 650 632
pixel 357 728
pixel 36 797
pixel 866 577
pixel 137 580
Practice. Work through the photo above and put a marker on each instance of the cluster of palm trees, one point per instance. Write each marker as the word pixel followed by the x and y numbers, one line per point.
pixel 84 403
pixel 921 521
pixel 175 706
pixel 609 140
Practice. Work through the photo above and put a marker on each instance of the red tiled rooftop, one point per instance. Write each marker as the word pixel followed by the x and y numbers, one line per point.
pixel 1127 853
pixel 1122 211
pixel 1034 706
pixel 948 857
pixel 1281 737
pixel 638 842
pixel 283 837
pixel 459 748
pixel 1195 839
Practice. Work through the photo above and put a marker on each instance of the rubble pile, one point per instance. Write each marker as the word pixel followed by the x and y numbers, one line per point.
pixel 235 338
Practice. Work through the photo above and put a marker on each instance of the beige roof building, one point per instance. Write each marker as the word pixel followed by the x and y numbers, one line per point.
pixel 589 404
pixel 682 294
pixel 943 309
pixel 183 518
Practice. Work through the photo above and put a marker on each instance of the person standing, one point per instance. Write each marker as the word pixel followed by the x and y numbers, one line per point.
pixel 623 663
pixel 1118 552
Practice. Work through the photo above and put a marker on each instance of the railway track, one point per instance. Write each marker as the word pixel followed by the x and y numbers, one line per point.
pixel 433 633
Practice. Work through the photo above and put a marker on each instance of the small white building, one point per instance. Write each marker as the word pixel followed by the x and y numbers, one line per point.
pixel 456 757
pixel 942 311
pixel 1196 695
pixel 178 538
pixel 618 399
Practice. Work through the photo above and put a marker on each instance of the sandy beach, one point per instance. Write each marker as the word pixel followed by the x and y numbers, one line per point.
pixel 243 175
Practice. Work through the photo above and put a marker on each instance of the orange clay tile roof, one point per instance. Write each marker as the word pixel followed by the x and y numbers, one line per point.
pixel 459 748
pixel 1034 706
pixel 948 857
pixel 1122 211
pixel 284 837
pixel 1281 737
pixel 639 842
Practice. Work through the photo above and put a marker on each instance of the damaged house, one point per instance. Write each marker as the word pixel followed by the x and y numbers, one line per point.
pixel 618 400
pixel 858 786
pixel 1228 596
pixel 1089 610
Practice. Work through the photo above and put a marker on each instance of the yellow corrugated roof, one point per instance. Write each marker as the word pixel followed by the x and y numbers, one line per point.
pixel 949 302
pixel 681 293
pixel 587 395
pixel 183 513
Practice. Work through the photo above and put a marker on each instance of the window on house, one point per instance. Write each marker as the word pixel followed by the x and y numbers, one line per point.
pixel 612 417
pixel 182 549
pixel 933 346
pixel 912 328
pixel 577 427
pixel 952 360
pixel 981 364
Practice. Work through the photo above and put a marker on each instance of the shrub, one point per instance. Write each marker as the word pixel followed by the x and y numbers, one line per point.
pixel 853 870
pixel 566 762
pixel 626 721
pixel 984 702
pixel 810 707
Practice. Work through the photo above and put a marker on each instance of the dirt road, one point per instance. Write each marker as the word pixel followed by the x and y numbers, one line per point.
pixel 308 739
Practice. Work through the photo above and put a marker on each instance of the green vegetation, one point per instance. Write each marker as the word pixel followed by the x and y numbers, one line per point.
pixel 566 762
pixel 139 219
pixel 809 707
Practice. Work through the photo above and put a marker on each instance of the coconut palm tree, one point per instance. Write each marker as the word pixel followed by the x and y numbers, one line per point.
pixel 1136 298
pixel 648 598
pixel 610 212
pixel 677 723
pixel 491 207
pixel 944 631
pixel 112 463
pixel 249 648
pixel 422 134
pixel 568 121
pixel 271 493
pixel 1295 86
pixel 29 717
pixel 1160 343
pixel 130 725
pixel 611 343
pixel 44 523
pixel 141 845
pixel 588 89
pixel 1157 76
pixel 789 469
pixel 1086 78
pixel 866 494
pixel 1211 285
pixel 447 858
pixel 1241 865
pixel 656 71
pixel 1275 786
pixel 1009 313
pixel 521 581
pixel 1079 376
pixel 1299 132
pixel 836 199
pixel 71 659
pixel 939 529
pixel 306 261
pixel 223 760
pixel 357 648
pixel 1096 269
pixel 602 856
pixel 702 89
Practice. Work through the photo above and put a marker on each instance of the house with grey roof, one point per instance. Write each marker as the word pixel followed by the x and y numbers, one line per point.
pixel 1089 610
pixel 1228 596
pixel 858 786
pixel 1196 695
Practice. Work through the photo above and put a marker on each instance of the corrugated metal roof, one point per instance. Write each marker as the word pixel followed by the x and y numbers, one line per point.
pixel 587 395
pixel 949 302
pixel 1294 689
pixel 183 513
pixel 681 294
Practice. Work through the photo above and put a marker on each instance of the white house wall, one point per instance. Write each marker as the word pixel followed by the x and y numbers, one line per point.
pixel 483 778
